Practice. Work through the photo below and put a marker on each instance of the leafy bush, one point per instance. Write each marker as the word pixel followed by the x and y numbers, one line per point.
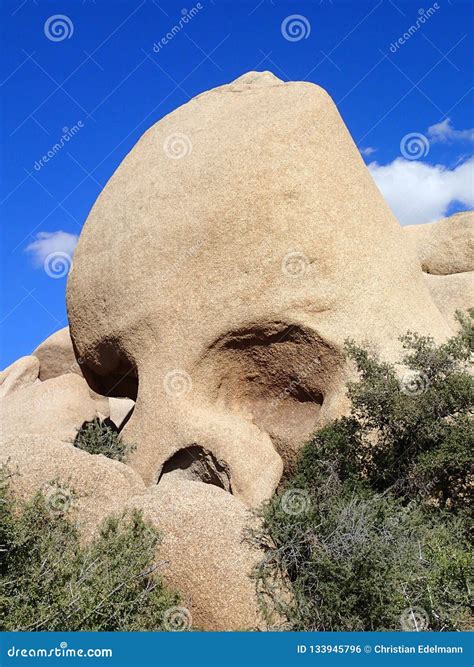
pixel 373 522
pixel 411 430
pixel 98 437
pixel 50 580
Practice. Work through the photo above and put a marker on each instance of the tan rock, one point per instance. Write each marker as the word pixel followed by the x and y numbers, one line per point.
pixel 208 561
pixel 452 293
pixel 90 486
pixel 56 356
pixel 202 527
pixel 447 246
pixel 21 373
pixel 235 249
pixel 446 254
pixel 55 408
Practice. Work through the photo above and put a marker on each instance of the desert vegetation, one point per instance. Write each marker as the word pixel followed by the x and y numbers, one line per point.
pixel 98 437
pixel 370 532
pixel 51 580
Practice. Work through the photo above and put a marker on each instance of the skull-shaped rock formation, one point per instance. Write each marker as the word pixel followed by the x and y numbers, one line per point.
pixel 235 249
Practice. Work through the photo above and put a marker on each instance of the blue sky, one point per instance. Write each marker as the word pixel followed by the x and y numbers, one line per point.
pixel 93 76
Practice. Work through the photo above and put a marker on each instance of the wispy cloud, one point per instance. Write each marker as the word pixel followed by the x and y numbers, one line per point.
pixel 47 244
pixel 418 192
pixel 368 151
pixel 444 132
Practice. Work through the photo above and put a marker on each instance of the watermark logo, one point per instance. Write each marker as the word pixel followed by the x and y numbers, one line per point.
pixel 295 27
pixel 57 264
pixel 423 17
pixel 67 135
pixel 59 27
pixel 61 651
pixel 177 146
pixel 295 264
pixel 414 619
pixel 180 263
pixel 58 500
pixel 414 146
pixel 177 619
pixel 186 16
pixel 177 383
pixel 295 501
pixel 414 383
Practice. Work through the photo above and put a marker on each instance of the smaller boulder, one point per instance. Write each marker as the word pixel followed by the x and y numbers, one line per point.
pixel 203 529
pixel 22 373
pixel 446 246
pixel 88 487
pixel 56 356
pixel 55 408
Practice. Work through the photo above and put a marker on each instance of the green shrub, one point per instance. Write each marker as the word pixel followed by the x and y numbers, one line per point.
pixel 50 580
pixel 411 430
pixel 359 562
pixel 373 522
pixel 98 437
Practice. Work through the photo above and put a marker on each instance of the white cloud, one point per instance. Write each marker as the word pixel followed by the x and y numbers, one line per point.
pixel 49 243
pixel 367 151
pixel 418 192
pixel 444 132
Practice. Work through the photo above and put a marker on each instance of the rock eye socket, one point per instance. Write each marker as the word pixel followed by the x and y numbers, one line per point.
pixel 276 375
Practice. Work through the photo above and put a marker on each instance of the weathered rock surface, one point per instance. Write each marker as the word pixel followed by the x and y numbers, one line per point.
pixel 18 375
pixel 55 408
pixel 446 254
pixel 56 356
pixel 232 253
pixel 237 246
pixel 447 246
pixel 203 530
pixel 90 486
pixel 452 293
pixel 202 526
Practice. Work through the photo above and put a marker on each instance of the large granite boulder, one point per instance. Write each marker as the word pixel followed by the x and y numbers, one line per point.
pixel 237 246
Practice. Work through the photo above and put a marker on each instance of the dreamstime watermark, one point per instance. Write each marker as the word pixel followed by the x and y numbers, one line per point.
pixel 294 386
pixel 414 146
pixel 295 264
pixel 59 500
pixel 67 135
pixel 186 17
pixel 295 501
pixel 177 619
pixel 61 651
pixel 423 17
pixel 414 619
pixel 180 263
pixel 177 383
pixel 57 264
pixel 295 27
pixel 177 145
pixel 58 27
pixel 413 383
